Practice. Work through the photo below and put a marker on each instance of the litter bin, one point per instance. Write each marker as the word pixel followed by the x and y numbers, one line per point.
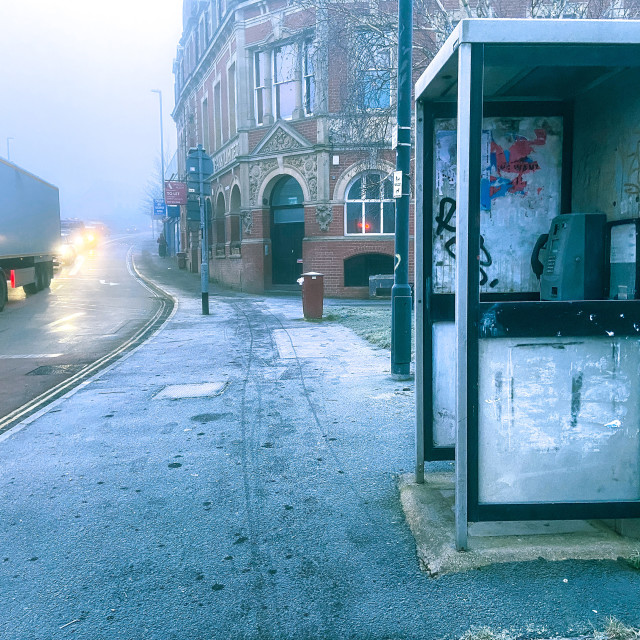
pixel 312 294
pixel 182 260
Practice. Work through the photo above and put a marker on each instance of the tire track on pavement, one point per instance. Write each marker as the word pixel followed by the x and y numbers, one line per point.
pixel 253 487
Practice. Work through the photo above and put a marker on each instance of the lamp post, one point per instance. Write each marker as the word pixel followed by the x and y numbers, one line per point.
pixel 401 291
pixel 9 148
pixel 161 148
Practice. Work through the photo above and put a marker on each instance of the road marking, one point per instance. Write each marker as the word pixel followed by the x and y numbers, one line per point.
pixel 23 416
pixel 111 284
pixel 28 356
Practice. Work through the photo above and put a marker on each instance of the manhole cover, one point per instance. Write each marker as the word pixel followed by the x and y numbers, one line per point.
pixel 56 370
pixel 201 390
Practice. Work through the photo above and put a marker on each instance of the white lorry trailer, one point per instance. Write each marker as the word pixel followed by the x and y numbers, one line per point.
pixel 29 230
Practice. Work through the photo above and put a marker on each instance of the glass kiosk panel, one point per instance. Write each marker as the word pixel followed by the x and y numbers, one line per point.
pixel 558 420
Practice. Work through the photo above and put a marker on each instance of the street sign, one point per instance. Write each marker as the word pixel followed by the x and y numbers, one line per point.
pixel 397 184
pixel 158 209
pixel 175 192
pixel 199 167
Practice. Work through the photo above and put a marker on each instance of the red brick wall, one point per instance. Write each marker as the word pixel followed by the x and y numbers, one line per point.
pixel 245 273
pixel 306 128
pixel 327 257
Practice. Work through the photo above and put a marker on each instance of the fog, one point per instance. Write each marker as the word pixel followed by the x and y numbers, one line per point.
pixel 76 106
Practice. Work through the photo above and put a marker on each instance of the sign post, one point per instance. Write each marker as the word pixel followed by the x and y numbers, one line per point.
pixel 199 165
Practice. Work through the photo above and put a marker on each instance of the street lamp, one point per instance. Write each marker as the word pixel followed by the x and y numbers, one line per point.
pixel 161 146
pixel 9 149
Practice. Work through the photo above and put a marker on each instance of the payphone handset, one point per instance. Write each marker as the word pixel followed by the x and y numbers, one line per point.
pixel 569 260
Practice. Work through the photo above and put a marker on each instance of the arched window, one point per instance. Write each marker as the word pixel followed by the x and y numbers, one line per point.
pixel 234 220
pixel 209 214
pixel 288 193
pixel 369 206
pixel 220 226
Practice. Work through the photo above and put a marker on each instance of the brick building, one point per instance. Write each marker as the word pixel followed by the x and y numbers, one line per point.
pixel 297 183
pixel 295 104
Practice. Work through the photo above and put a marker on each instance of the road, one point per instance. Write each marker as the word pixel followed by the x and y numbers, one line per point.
pixel 93 307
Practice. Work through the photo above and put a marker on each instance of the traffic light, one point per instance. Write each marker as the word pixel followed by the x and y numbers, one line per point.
pixel 199 167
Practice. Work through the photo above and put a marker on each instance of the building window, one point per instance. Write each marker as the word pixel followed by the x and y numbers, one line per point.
pixel 284 81
pixel 220 226
pixel 308 78
pixel 260 68
pixel 231 90
pixel 369 206
pixel 371 69
pixel 217 121
pixel 205 124
pixel 207 24
pixel 376 81
pixel 235 221
pixel 565 10
pixel 202 37
pixel 213 18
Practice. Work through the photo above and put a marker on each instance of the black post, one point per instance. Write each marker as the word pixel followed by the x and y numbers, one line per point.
pixel 204 224
pixel 401 291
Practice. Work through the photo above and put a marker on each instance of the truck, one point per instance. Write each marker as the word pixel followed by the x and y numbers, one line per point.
pixel 29 230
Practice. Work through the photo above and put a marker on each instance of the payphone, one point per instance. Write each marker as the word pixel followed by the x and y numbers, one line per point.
pixel 569 261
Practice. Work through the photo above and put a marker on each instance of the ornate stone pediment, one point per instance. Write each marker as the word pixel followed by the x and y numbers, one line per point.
pixel 281 138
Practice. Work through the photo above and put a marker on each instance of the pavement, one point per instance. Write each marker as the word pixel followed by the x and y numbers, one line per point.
pixel 243 475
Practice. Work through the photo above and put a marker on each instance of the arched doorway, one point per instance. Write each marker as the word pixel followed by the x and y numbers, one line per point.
pixel 287 231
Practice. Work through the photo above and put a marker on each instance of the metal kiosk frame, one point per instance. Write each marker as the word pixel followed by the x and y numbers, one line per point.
pixel 495 68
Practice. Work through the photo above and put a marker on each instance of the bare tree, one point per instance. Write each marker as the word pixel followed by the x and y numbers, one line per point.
pixel 154 187
pixel 360 39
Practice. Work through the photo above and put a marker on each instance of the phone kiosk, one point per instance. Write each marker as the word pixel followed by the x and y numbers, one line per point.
pixel 527 310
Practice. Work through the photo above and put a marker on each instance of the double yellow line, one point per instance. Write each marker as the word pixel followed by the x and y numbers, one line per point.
pixel 162 315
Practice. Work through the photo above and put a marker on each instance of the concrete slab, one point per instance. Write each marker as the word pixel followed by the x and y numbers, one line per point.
pixel 199 390
pixel 429 510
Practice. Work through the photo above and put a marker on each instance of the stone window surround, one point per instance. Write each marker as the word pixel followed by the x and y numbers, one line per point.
pixel 363 201
pixel 263 58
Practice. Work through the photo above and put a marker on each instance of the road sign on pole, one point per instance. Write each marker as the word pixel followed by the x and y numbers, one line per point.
pixel 199 167
pixel 175 192
pixel 159 209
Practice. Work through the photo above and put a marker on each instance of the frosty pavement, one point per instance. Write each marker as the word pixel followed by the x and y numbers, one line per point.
pixel 265 505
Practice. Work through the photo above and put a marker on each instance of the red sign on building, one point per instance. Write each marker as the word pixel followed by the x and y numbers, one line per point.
pixel 175 192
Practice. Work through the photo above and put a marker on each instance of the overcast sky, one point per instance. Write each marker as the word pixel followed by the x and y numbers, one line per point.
pixel 75 96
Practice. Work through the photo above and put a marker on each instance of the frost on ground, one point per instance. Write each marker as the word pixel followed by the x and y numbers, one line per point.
pixel 614 630
pixel 369 322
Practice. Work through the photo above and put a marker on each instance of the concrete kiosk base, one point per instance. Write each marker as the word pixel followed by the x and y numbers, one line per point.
pixel 429 510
